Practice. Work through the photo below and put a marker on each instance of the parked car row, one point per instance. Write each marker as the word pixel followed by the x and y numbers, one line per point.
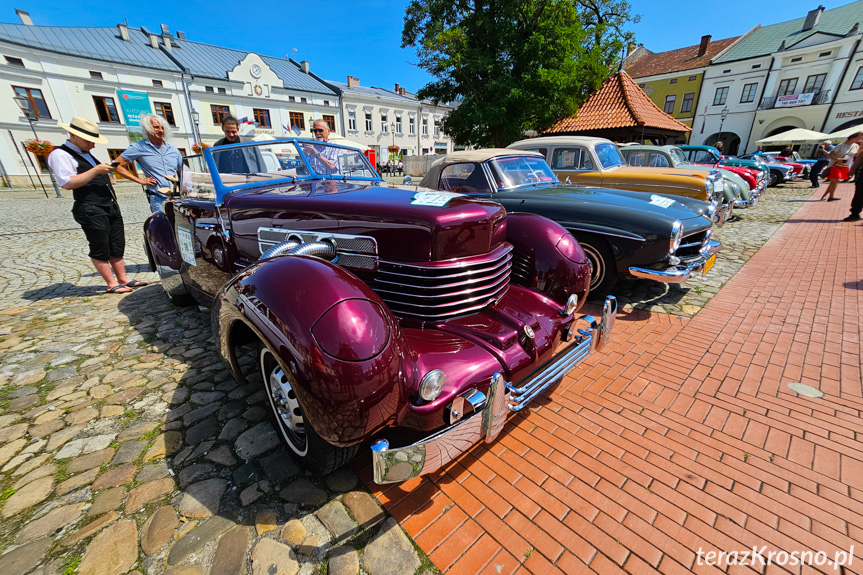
pixel 413 319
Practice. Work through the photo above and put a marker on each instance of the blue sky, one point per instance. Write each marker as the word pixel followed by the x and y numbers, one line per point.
pixel 363 37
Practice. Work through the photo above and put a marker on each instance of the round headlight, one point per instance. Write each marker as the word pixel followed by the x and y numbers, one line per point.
pixel 676 236
pixel 432 384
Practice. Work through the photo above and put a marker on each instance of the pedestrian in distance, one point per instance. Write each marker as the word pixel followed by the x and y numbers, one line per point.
pixel 840 162
pixel 95 207
pixel 721 147
pixel 821 161
pixel 157 158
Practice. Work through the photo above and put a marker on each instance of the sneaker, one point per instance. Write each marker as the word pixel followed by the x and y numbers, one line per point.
pixel 852 218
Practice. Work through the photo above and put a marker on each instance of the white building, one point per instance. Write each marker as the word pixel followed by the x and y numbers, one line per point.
pixel 380 118
pixel 112 75
pixel 794 74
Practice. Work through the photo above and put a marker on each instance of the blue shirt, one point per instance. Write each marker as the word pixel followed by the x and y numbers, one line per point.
pixel 332 154
pixel 157 162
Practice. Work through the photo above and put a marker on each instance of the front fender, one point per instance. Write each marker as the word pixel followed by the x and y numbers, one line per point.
pixel 547 258
pixel 159 236
pixel 281 300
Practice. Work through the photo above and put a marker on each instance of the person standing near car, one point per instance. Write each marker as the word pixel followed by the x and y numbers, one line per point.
pixel 840 160
pixel 324 159
pixel 245 160
pixel 95 207
pixel 821 161
pixel 156 157
pixel 857 200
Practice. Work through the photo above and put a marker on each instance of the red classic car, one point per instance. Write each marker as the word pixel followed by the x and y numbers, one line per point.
pixel 414 317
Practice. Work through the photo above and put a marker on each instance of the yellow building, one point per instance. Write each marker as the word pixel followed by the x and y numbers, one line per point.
pixel 672 79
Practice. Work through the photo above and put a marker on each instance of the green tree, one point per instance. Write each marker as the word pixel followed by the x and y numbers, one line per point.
pixel 513 65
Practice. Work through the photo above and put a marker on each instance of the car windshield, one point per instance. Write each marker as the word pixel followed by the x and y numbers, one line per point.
pixel 238 166
pixel 515 171
pixel 678 157
pixel 609 155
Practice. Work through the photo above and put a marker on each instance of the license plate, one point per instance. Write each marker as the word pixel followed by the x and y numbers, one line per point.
pixel 709 264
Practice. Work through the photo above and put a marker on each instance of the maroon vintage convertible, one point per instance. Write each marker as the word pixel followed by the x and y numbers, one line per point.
pixel 412 320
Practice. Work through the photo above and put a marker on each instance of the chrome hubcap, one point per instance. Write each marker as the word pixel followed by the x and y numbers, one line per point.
pixel 597 270
pixel 284 402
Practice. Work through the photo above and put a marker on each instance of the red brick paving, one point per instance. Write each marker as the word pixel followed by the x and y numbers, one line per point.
pixel 682 435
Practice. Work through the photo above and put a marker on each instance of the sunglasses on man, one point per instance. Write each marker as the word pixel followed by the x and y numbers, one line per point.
pixel 317 130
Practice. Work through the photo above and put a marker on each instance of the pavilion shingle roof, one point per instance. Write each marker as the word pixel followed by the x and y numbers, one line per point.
pixel 619 103
pixel 677 60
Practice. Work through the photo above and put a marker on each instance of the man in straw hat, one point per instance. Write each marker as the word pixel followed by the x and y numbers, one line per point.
pixel 156 157
pixel 95 207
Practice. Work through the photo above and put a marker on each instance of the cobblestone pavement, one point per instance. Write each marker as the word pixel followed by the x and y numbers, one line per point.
pixel 126 445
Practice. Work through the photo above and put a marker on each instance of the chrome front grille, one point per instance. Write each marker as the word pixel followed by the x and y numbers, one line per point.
pixel 356 252
pixel 442 290
pixel 691 245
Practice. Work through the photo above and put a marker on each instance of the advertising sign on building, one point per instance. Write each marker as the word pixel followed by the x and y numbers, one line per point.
pixel 796 100
pixel 134 104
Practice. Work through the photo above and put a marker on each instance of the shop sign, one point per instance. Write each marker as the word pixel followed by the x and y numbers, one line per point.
pixel 795 100
pixel 134 105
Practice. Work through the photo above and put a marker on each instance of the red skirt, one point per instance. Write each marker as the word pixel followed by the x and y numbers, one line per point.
pixel 838 173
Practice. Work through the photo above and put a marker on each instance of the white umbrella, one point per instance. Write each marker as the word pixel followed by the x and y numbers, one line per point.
pixel 842 135
pixel 794 136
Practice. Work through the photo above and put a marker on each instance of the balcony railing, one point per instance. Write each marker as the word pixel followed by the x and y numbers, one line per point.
pixel 769 102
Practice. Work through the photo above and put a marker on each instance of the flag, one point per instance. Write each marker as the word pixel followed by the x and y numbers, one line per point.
pixel 296 129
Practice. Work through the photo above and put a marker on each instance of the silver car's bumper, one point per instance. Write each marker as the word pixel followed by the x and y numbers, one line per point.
pixel 678 273
pixel 751 202
pixel 480 417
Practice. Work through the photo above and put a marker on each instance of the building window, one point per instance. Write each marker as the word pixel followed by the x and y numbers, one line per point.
pixel 755 66
pixel 291 99
pixel 858 79
pixel 106 109
pixel 326 102
pixel 692 78
pixel 824 54
pixel 814 83
pixel 385 127
pixel 398 123
pixel 369 126
pixel 797 59
pixel 37 101
pixel 303 101
pixel 209 89
pixel 412 125
pixel 436 127
pixel 720 96
pixel 352 120
pixel 219 113
pixel 673 81
pixel 262 117
pixel 165 110
pixel 297 119
pixel 14 61
pixel 787 87
pixel 157 83
pixel 748 94
pixel 222 91
pixel 425 126
pixel 728 71
pixel 331 122
pixel 95 75
pixel 686 104
pixel 669 104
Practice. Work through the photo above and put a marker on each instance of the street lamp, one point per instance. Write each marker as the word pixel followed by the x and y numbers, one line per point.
pixel 393 132
pixel 723 114
pixel 27 109
pixel 196 119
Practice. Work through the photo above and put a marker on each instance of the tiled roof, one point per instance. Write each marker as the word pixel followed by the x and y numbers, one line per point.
pixel 102 44
pixel 619 103
pixel 767 39
pixel 677 60
pixel 373 92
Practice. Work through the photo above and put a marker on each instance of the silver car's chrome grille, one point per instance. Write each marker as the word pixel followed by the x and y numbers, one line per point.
pixel 442 290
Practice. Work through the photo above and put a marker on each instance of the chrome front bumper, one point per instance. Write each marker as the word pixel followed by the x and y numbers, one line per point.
pixel 480 417
pixel 751 202
pixel 678 273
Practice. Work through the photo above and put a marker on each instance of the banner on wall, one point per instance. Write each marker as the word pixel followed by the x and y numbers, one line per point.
pixel 134 105
pixel 796 100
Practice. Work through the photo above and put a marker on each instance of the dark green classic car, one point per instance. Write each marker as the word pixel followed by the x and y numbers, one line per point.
pixel 623 234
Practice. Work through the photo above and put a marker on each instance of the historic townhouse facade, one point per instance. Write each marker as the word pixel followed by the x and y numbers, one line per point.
pixel 673 79
pixel 380 118
pixel 112 75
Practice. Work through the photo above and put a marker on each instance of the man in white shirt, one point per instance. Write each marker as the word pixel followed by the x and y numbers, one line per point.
pixel 95 208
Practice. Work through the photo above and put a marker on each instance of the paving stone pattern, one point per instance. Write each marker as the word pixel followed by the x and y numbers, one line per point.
pixel 125 444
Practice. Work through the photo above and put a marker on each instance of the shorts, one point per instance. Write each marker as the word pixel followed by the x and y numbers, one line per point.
pixel 838 173
pixel 103 226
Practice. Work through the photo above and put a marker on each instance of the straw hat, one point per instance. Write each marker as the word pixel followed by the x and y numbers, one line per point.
pixel 84 128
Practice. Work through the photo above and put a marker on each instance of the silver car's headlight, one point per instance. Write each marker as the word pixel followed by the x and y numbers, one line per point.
pixel 432 384
pixel 676 236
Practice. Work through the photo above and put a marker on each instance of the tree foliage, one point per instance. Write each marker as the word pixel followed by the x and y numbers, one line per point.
pixel 513 65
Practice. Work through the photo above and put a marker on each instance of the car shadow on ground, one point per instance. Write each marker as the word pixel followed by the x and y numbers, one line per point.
pixel 229 464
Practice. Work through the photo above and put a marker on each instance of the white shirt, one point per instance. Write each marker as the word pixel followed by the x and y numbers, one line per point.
pixel 64 165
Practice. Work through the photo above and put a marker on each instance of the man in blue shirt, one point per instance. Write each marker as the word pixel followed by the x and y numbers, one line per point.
pixel 324 159
pixel 156 157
